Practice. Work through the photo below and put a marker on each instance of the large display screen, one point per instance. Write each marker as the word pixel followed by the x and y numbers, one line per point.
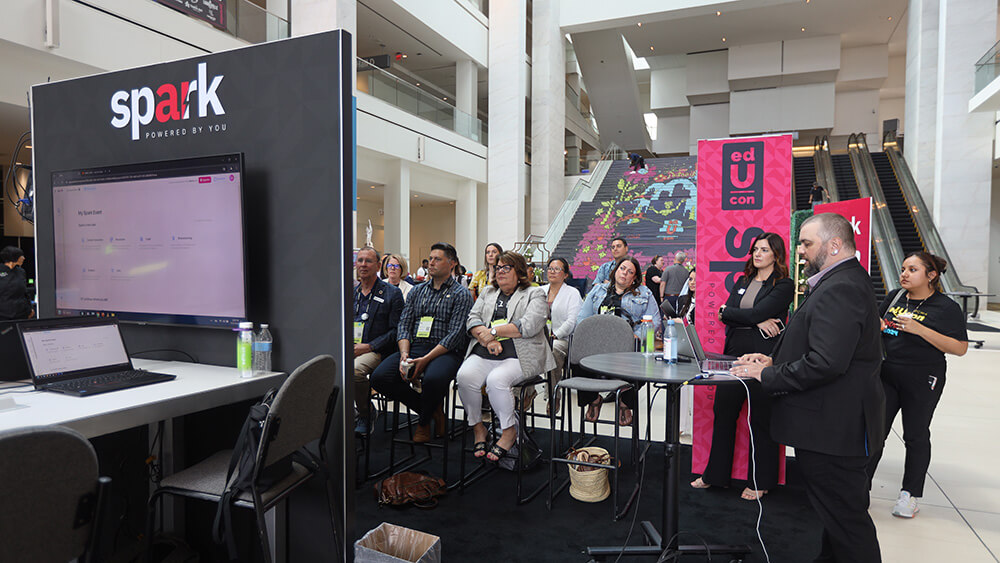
pixel 158 242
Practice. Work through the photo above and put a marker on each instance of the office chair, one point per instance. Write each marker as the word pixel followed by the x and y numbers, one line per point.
pixel 302 408
pixel 53 499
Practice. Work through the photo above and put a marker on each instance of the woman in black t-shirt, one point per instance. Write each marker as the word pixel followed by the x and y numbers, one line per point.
pixel 919 326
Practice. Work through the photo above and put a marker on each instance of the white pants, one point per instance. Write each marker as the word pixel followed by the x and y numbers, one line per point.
pixel 498 376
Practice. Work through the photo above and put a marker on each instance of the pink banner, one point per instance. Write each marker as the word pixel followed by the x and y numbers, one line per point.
pixel 859 213
pixel 744 189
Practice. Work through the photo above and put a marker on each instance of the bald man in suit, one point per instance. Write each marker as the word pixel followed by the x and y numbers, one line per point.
pixel 828 401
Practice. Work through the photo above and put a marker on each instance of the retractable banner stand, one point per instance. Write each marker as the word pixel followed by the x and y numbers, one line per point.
pixel 744 189
pixel 859 213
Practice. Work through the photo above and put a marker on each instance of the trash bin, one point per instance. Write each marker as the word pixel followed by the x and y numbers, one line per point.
pixel 389 543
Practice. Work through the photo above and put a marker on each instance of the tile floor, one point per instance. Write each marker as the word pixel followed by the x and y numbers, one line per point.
pixel 959 518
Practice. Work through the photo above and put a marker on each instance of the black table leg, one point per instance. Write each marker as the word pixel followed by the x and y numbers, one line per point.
pixel 670 505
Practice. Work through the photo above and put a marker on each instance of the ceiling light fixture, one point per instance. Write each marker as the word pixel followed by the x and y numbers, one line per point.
pixel 802 29
pixel 718 12
pixel 418 84
pixel 650 47
pixel 639 24
pixel 372 187
pixel 27 147
pixel 723 39
pixel 889 18
pixel 415 195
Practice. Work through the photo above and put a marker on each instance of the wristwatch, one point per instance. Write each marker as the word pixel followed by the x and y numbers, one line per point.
pixel 493 331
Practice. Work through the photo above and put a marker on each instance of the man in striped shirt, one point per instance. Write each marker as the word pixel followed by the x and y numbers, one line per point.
pixel 432 341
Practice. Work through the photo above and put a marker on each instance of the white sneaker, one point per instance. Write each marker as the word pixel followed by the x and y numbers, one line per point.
pixel 906 506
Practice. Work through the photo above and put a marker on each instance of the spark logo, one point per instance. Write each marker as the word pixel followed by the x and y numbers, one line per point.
pixel 138 107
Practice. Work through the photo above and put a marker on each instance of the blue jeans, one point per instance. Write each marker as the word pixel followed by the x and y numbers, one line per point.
pixel 387 380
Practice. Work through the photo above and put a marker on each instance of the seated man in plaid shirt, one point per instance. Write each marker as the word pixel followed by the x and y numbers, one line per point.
pixel 432 342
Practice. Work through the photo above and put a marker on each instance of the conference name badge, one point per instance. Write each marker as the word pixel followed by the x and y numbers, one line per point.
pixel 605 310
pixel 424 327
pixel 497 323
pixel 359 330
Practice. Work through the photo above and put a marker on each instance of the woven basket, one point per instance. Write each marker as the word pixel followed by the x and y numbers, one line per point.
pixel 589 484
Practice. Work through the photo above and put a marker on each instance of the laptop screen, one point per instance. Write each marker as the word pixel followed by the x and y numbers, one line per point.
pixel 56 351
pixel 692 336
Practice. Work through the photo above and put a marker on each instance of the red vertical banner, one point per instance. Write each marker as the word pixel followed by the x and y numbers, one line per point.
pixel 859 213
pixel 744 189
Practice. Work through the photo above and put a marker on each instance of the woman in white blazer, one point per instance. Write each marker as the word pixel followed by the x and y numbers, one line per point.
pixel 564 305
pixel 508 346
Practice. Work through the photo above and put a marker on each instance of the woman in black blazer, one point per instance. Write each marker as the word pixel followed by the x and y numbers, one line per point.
pixel 754 315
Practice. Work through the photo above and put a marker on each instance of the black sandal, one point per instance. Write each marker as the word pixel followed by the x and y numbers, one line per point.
pixel 479 447
pixel 497 452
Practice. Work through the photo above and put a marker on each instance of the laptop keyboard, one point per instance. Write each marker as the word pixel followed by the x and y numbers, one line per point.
pixel 717 365
pixel 127 378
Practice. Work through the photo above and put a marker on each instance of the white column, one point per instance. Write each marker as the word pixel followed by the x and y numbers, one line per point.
pixel 397 210
pixel 922 93
pixel 964 141
pixel 548 115
pixel 466 211
pixel 573 146
pixel 466 97
pixel 508 90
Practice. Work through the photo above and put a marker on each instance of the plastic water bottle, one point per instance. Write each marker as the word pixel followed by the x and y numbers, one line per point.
pixel 648 338
pixel 670 343
pixel 262 350
pixel 244 349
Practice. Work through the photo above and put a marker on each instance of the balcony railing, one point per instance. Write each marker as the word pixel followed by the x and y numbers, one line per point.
pixel 242 19
pixel 988 67
pixel 388 88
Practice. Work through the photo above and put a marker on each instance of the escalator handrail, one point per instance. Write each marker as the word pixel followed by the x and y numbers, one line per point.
pixel 884 236
pixel 922 219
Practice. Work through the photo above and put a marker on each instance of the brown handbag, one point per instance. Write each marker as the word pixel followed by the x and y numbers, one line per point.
pixel 408 487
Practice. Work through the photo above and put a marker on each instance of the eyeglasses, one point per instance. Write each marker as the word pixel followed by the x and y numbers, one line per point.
pixel 504 268
pixel 554 270
pixel 393 267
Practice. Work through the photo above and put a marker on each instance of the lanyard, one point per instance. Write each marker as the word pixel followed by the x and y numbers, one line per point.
pixel 440 296
pixel 357 305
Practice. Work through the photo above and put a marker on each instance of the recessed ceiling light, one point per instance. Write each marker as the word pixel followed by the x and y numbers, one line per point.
pixel 372 187
pixel 415 195
pixel 639 24
pixel 446 98
pixel 889 18
pixel 723 39
pixel 802 29
pixel 418 84
pixel 650 47
pixel 718 13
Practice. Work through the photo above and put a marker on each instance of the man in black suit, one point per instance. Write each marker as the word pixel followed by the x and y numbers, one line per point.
pixel 829 404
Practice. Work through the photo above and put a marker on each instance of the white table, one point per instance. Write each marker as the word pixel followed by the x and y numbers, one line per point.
pixel 198 387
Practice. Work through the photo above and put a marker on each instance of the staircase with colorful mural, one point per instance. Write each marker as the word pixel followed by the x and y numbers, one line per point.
pixel 653 209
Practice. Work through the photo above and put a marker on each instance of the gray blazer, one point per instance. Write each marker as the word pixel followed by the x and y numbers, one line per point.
pixel 527 309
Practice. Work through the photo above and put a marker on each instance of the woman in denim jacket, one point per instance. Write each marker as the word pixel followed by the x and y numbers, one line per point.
pixel 623 295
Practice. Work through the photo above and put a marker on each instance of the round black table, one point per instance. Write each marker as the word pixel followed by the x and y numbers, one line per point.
pixel 639 368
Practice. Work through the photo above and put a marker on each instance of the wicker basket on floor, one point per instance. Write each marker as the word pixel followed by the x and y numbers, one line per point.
pixel 589 484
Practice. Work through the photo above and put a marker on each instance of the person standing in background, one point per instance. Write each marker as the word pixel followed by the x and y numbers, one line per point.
pixel 14 302
pixel 818 195
pixel 652 278
pixel 673 279
pixel 483 278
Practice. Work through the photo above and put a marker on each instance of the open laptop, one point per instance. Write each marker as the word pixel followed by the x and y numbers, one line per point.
pixel 81 358
pixel 714 364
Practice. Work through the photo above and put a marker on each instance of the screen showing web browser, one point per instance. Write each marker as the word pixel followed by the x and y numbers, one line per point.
pixel 157 242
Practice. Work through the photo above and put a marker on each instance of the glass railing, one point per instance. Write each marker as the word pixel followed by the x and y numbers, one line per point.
pixel 407 97
pixel 988 67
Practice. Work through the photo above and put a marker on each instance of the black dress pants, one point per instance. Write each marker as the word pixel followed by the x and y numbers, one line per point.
pixel 729 399
pixel 838 490
pixel 387 380
pixel 908 388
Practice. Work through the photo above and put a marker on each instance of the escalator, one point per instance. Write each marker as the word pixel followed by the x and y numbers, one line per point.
pixel 906 228
pixel 804 170
pixel 847 185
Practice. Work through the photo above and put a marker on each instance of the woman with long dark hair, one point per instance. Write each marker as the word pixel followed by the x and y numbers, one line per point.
pixel 919 326
pixel 754 315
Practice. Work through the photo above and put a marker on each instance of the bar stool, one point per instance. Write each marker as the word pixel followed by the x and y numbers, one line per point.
pixel 598 334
